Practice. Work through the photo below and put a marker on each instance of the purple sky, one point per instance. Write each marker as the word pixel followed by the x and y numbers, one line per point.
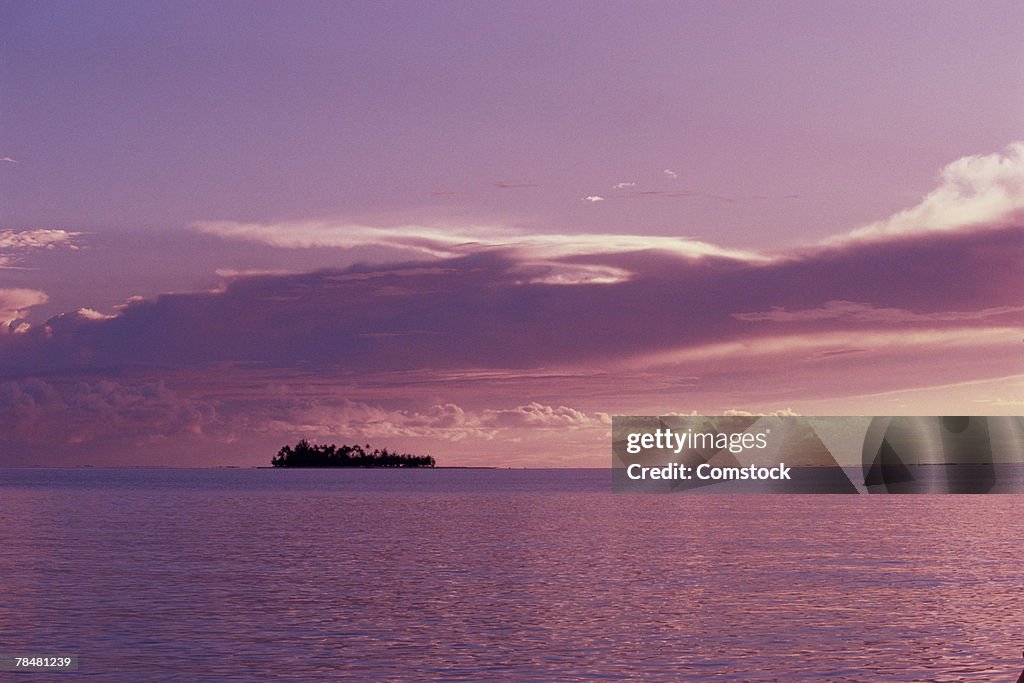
pixel 477 230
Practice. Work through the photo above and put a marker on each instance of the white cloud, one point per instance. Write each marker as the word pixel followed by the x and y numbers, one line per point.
pixel 455 241
pixel 352 419
pixel 426 240
pixel 14 244
pixel 979 190
pixel 983 190
pixel 623 185
pixel 782 412
pixel 231 273
pixel 91 314
pixel 9 160
pixel 446 421
pixel 536 414
pixel 38 238
pixel 14 303
pixel 580 274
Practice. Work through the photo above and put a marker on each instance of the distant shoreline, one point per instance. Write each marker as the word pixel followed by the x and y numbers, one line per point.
pixel 436 467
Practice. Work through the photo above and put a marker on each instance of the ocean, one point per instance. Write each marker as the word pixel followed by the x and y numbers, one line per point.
pixel 260 574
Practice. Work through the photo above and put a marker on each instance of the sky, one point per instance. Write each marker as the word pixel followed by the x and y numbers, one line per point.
pixel 479 230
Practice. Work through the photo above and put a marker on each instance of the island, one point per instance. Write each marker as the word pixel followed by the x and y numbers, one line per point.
pixel 305 454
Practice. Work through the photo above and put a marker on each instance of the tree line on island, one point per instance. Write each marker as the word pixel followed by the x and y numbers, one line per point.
pixel 305 454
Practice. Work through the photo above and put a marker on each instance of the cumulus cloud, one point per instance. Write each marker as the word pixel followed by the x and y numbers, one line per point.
pixel 782 412
pixel 443 421
pixel 34 411
pixel 974 191
pixel 593 198
pixel 61 419
pixel 38 238
pixel 16 244
pixel 9 160
pixel 670 173
pixel 536 414
pixel 14 303
pixel 357 419
pixel 623 185
pixel 90 314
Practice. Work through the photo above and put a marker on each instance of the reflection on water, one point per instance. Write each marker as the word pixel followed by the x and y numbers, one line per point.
pixel 262 574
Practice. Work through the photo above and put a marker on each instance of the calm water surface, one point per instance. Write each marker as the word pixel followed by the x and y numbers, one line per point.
pixel 500 574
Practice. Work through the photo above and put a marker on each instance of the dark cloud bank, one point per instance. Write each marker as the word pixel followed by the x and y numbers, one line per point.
pixel 487 310
pixel 88 383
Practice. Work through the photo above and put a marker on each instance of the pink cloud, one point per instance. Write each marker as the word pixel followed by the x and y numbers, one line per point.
pixel 860 312
pixel 38 238
pixel 514 186
pixel 536 414
pixel 35 411
pixel 564 328
pixel 454 241
pixel 14 303
pixel 508 308
pixel 984 191
pixel 443 421
pixel 974 192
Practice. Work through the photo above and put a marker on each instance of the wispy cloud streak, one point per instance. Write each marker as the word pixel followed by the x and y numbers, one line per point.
pixel 455 241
